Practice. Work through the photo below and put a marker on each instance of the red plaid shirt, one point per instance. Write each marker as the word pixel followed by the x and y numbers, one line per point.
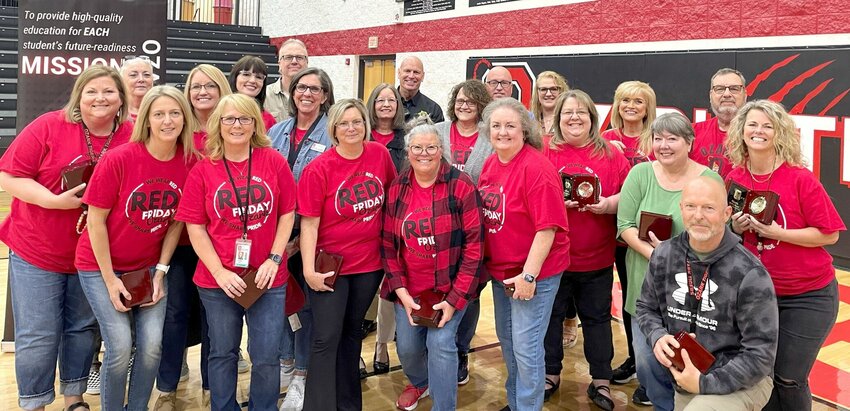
pixel 458 235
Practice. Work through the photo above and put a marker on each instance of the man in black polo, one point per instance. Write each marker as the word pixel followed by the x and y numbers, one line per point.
pixel 410 76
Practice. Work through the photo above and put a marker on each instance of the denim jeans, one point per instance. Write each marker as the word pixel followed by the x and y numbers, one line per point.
pixel 183 299
pixel 468 324
pixel 425 351
pixel 651 374
pixel 116 329
pixel 53 320
pixel 805 321
pixel 521 326
pixel 591 293
pixel 265 324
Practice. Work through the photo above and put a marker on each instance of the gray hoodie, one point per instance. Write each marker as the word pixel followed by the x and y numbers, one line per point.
pixel 738 320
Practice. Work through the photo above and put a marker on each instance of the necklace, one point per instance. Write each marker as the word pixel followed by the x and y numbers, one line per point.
pixel 767 180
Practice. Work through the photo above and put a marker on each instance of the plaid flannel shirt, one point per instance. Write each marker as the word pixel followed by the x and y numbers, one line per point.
pixel 458 235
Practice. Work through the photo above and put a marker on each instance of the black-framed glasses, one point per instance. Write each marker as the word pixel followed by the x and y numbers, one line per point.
pixel 229 121
pixel 430 150
pixel 302 88
pixel 734 89
pixel 497 83
pixel 300 58
pixel 460 103
pixel 546 90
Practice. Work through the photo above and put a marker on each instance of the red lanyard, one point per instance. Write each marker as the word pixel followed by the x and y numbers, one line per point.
pixel 697 294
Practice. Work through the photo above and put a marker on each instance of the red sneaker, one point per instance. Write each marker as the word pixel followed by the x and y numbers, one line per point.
pixel 409 398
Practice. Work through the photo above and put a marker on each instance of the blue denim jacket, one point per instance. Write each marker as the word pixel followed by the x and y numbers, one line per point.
pixel 316 143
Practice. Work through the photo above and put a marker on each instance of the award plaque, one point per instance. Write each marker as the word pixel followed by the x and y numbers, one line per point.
pixel 75 175
pixel 660 224
pixel 138 283
pixel 700 357
pixel 426 315
pixel 761 204
pixel 736 196
pixel 251 293
pixel 327 262
pixel 583 188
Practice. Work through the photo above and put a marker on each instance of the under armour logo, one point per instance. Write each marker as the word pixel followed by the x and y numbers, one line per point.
pixel 682 292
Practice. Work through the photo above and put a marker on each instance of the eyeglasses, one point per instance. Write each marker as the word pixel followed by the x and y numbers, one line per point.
pixel 497 83
pixel 734 89
pixel 579 113
pixel 460 103
pixel 302 88
pixel 546 90
pixel 430 150
pixel 354 124
pixel 382 101
pixel 258 76
pixel 290 57
pixel 229 121
pixel 209 87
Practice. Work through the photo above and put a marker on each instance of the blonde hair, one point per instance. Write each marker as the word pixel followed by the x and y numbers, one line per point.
pixel 600 145
pixel 142 128
pixel 636 89
pixel 244 105
pixel 536 107
pixel 786 140
pixel 216 76
pixel 72 108
pixel 530 133
pixel 338 109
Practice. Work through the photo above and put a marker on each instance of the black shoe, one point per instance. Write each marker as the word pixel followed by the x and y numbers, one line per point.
pixel 363 372
pixel 639 397
pixel 462 368
pixel 625 372
pixel 380 367
pixel 369 327
pixel 506 408
pixel 601 401
pixel 553 386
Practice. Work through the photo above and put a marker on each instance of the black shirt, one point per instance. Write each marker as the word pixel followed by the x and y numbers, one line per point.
pixel 420 103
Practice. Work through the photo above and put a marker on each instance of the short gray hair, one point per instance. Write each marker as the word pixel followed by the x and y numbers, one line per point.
pixel 138 59
pixel 727 70
pixel 675 124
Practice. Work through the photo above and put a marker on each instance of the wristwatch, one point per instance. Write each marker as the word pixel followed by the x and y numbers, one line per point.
pixel 162 267
pixel 528 278
pixel 276 258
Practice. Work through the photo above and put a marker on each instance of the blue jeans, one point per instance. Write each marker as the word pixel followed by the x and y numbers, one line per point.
pixel 651 374
pixel 116 329
pixel 468 324
pixel 265 323
pixel 427 351
pixel 183 300
pixel 53 320
pixel 521 326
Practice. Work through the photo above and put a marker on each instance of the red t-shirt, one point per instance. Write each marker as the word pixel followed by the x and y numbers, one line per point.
pixel 592 236
pixel 384 139
pixel 268 120
pixel 632 151
pixel 299 135
pixel 461 146
pixel 708 148
pixel 142 194
pixel 348 196
pixel 520 198
pixel 803 202
pixel 200 139
pixel 417 229
pixel 43 237
pixel 208 199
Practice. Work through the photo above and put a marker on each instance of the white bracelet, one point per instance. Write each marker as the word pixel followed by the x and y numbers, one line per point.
pixel 162 267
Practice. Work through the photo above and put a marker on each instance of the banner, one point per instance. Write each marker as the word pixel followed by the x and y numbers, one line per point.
pixel 57 40
pixel 812 83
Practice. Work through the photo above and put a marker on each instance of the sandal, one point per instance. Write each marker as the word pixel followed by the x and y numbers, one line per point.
pixel 81 404
pixel 599 399
pixel 553 386
pixel 570 332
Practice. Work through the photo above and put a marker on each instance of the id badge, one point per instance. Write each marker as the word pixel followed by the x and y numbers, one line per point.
pixel 243 253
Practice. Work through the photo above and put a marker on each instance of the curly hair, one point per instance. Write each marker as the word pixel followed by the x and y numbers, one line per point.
pixel 786 139
pixel 474 90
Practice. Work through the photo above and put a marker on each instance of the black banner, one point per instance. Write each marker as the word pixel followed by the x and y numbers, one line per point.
pixel 59 39
pixel 476 3
pixel 414 7
pixel 812 83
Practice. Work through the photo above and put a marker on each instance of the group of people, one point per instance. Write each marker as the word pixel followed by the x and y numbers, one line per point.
pixel 231 188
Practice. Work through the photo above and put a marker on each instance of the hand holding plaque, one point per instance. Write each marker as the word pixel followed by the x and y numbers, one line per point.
pixel 660 224
pixel 138 283
pixel 327 262
pixel 75 175
pixel 761 204
pixel 252 293
pixel 426 315
pixel 582 188
pixel 700 357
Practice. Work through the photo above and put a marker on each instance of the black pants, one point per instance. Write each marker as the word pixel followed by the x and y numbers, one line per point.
pixel 333 375
pixel 620 261
pixel 592 293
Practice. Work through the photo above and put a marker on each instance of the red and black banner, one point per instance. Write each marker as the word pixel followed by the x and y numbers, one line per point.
pixel 812 83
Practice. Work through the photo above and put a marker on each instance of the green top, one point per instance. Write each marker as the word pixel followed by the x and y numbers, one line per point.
pixel 641 192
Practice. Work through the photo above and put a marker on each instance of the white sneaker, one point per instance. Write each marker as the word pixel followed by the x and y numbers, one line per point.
pixel 294 400
pixel 286 371
pixel 93 385
pixel 242 366
pixel 167 401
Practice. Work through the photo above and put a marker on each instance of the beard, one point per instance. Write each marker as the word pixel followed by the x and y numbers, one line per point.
pixel 725 112
pixel 705 234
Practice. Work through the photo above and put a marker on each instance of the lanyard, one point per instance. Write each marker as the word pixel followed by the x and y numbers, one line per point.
pixel 243 215
pixel 696 294
pixel 294 149
pixel 87 135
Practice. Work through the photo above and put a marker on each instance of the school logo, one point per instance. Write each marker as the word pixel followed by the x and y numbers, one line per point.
pixel 257 196
pixel 150 207
pixel 494 199
pixel 359 197
pixel 418 232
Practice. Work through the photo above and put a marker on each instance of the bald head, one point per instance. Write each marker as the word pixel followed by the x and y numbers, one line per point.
pixel 705 212
pixel 410 76
pixel 499 82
